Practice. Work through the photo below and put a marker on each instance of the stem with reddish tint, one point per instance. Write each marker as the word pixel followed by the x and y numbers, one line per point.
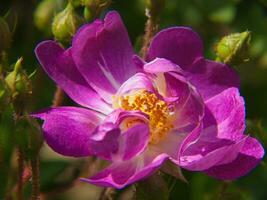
pixel 35 178
pixel 58 97
pixel 20 174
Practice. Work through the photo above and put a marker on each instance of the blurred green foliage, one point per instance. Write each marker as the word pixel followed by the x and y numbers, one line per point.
pixel 211 19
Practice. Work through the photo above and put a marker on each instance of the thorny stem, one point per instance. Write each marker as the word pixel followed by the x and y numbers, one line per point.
pixel 150 29
pixel 35 178
pixel 20 174
pixel 58 97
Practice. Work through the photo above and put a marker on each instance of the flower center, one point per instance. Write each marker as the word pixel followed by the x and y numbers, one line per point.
pixel 157 110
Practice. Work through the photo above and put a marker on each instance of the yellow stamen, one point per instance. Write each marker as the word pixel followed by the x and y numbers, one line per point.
pixel 157 110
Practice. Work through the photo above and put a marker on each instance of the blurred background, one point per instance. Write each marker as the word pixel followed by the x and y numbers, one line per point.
pixel 212 20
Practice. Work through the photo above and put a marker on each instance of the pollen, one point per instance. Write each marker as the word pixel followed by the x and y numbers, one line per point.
pixel 157 110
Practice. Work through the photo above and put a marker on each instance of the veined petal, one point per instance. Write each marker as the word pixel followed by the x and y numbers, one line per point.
pixel 59 65
pixel 222 132
pixel 204 155
pixel 170 144
pixel 211 78
pixel 139 81
pixel 161 65
pixel 103 53
pixel 180 45
pixel 188 109
pixel 67 130
pixel 248 158
pixel 225 116
pixel 134 141
pixel 133 134
pixel 120 174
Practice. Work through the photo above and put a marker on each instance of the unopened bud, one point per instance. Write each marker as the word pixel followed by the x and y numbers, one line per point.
pixel 20 87
pixel 4 97
pixel 65 24
pixel 28 136
pixel 76 3
pixel 44 13
pixel 233 49
pixel 5 35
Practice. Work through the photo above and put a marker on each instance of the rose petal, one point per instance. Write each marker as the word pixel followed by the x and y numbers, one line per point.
pixel 103 53
pixel 225 116
pixel 170 144
pixel 223 127
pixel 120 174
pixel 67 130
pixel 248 158
pixel 180 45
pixel 204 155
pixel 211 78
pixel 139 81
pixel 161 65
pixel 59 65
pixel 188 109
pixel 132 140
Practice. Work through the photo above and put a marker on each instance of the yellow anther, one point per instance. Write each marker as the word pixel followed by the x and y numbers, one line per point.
pixel 157 110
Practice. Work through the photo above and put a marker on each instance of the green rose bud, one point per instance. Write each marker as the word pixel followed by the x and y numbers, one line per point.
pixel 44 13
pixel 76 3
pixel 65 24
pixel 4 96
pixel 233 49
pixel 5 35
pixel 28 136
pixel 20 87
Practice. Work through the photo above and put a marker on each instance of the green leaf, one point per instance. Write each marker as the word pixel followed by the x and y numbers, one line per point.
pixel 153 188
pixel 170 168
pixel 11 18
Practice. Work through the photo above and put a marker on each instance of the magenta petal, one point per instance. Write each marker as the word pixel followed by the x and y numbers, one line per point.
pixel 120 174
pixel 180 45
pixel 103 53
pixel 189 106
pixel 248 158
pixel 104 143
pixel 132 140
pixel 221 135
pixel 139 62
pixel 212 78
pixel 67 130
pixel 161 65
pixel 139 81
pixel 225 116
pixel 204 155
pixel 170 144
pixel 59 65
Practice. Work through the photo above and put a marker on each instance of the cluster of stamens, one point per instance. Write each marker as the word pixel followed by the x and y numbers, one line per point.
pixel 156 109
